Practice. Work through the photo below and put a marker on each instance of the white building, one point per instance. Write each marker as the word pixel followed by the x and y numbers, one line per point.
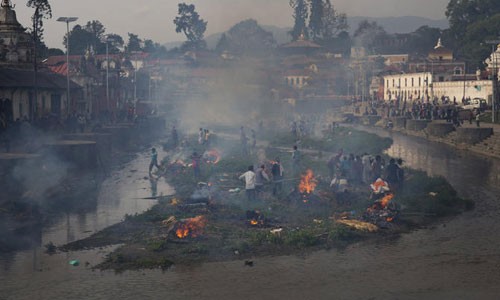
pixel 408 86
pixel 460 89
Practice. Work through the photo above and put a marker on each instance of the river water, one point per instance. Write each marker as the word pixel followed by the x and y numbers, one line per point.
pixel 456 259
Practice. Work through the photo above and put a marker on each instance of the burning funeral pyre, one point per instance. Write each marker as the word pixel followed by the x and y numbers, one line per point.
pixel 307 185
pixel 255 218
pixel 190 228
pixel 381 214
pixel 212 157
pixel 384 210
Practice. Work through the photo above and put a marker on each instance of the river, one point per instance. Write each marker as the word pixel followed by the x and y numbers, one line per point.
pixel 458 258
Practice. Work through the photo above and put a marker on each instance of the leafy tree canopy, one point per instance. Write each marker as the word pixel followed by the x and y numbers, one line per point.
pixel 189 22
pixel 247 38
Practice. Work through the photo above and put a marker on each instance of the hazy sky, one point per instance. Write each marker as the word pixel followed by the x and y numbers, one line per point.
pixel 153 18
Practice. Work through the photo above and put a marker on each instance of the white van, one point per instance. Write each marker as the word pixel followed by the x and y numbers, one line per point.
pixel 476 103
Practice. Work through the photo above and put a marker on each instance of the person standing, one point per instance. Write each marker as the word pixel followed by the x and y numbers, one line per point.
pixel 154 161
pixel 249 177
pixel 478 118
pixel 195 162
pixel 201 136
pixel 277 172
pixel 391 174
pixel 175 137
pixel 254 141
pixel 260 176
pixel 376 169
pixel 296 159
pixel 244 141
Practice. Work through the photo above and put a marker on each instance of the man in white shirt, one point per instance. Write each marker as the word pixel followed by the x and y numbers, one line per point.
pixel 249 177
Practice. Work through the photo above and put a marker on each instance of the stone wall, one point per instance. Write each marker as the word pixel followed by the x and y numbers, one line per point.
pixel 439 129
pixel 416 125
pixel 471 136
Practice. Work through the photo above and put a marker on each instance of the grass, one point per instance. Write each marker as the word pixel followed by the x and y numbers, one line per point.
pixel 305 226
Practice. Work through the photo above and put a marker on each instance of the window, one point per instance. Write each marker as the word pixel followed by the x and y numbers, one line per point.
pixel 419 81
pixel 412 82
pixel 406 82
pixel 457 71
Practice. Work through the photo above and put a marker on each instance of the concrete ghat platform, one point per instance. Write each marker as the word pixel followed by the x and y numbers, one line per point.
pixel 416 125
pixel 120 134
pixel 399 122
pixel 439 129
pixel 103 140
pixel 82 154
pixel 9 160
pixel 471 136
pixel 370 120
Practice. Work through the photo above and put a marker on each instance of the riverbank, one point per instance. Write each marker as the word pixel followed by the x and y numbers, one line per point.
pixel 223 221
pixel 482 140
pixel 43 188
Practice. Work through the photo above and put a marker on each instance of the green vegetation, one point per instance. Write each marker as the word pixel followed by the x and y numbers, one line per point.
pixel 290 225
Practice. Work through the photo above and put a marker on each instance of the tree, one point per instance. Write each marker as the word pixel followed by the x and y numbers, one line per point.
pixel 97 34
pixel 421 40
pixel 79 40
pixel 154 49
pixel 134 43
pixel 300 15
pixel 43 10
pixel 370 35
pixel 462 13
pixel 247 38
pixel 333 22
pixel 223 44
pixel 316 18
pixel 92 35
pixel 474 48
pixel 115 43
pixel 189 22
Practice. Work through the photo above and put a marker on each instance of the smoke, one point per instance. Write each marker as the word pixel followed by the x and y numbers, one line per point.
pixel 231 97
pixel 41 173
pixel 39 177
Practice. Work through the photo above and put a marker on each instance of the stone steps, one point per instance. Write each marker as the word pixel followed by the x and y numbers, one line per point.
pixel 490 145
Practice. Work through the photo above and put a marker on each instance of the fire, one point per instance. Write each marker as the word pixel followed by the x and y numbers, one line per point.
pixel 212 156
pixel 307 183
pixel 254 222
pixel 385 201
pixel 191 227
pixel 389 219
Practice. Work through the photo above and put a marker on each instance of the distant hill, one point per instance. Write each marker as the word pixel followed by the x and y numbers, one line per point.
pixel 390 24
pixel 280 35
pixel 398 24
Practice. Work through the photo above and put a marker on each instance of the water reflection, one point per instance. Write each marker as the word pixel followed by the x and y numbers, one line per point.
pixel 457 258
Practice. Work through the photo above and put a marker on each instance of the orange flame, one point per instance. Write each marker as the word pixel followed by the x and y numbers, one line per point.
pixel 389 219
pixel 307 182
pixel 385 201
pixel 191 227
pixel 212 156
pixel 254 222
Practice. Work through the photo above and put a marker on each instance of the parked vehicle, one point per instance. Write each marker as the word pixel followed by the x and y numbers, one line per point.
pixel 476 103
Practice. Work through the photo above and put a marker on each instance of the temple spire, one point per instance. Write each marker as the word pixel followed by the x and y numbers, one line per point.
pixel 439 44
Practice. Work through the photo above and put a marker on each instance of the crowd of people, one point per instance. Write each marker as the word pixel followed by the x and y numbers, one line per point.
pixel 437 109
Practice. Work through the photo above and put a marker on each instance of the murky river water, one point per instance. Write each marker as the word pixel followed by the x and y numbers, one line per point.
pixel 457 259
